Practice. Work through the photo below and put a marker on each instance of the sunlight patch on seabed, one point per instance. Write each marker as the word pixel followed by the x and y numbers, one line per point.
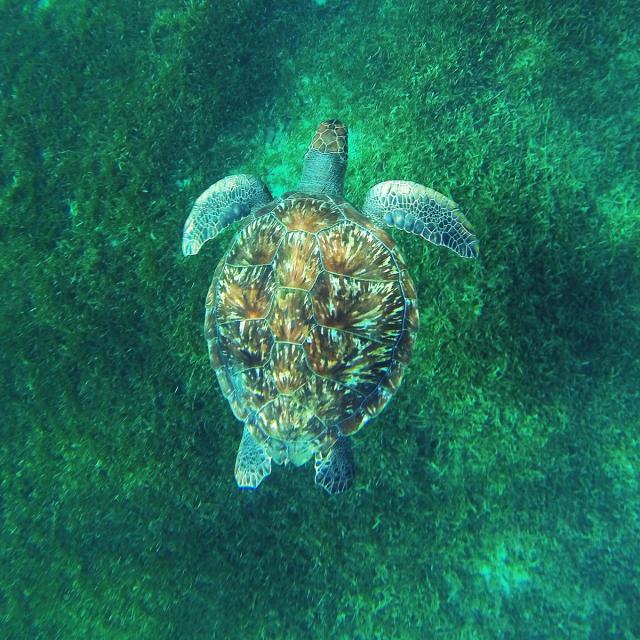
pixel 508 568
pixel 183 183
pixel 619 207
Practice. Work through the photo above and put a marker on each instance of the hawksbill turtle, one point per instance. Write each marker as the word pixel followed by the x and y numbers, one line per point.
pixel 311 315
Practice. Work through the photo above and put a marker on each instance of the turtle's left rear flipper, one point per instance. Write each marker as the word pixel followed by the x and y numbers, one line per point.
pixel 221 204
pixel 253 464
pixel 335 470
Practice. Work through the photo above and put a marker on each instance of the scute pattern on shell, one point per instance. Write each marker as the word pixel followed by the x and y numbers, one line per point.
pixel 310 320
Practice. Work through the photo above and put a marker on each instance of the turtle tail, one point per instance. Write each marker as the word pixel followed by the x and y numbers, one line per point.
pixel 325 162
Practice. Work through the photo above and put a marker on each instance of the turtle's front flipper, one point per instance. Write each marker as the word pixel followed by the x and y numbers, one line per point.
pixel 412 207
pixel 221 204
pixel 253 464
pixel 335 469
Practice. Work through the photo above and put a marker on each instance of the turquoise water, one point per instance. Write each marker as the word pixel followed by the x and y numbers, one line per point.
pixel 496 497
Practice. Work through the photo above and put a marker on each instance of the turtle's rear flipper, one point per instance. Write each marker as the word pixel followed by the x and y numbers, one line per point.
pixel 253 464
pixel 221 204
pixel 415 208
pixel 335 470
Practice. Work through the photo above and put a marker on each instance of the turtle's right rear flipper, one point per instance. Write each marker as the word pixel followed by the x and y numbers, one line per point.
pixel 335 470
pixel 221 204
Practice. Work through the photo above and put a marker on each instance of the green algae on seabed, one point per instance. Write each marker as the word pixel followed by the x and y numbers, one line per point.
pixel 497 496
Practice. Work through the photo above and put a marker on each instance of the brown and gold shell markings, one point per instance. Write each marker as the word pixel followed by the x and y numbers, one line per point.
pixel 299 262
pixel 353 251
pixel 289 367
pixel 307 213
pixel 291 316
pixel 244 344
pixel 347 358
pixel 255 244
pixel 373 310
pixel 244 293
pixel 310 320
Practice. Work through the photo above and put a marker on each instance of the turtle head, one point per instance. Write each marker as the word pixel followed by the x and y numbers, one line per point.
pixel 325 162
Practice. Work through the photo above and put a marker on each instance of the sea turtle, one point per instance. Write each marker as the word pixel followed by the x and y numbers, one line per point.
pixel 311 315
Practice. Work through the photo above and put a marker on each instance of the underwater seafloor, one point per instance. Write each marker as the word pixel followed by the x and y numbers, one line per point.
pixel 498 494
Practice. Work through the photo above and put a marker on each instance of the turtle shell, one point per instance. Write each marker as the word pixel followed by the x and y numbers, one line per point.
pixel 310 320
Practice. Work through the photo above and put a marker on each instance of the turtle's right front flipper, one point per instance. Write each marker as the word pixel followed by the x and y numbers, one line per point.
pixel 221 204
pixel 418 209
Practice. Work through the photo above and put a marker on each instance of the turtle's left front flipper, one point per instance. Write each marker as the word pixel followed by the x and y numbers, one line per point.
pixel 415 208
pixel 221 204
